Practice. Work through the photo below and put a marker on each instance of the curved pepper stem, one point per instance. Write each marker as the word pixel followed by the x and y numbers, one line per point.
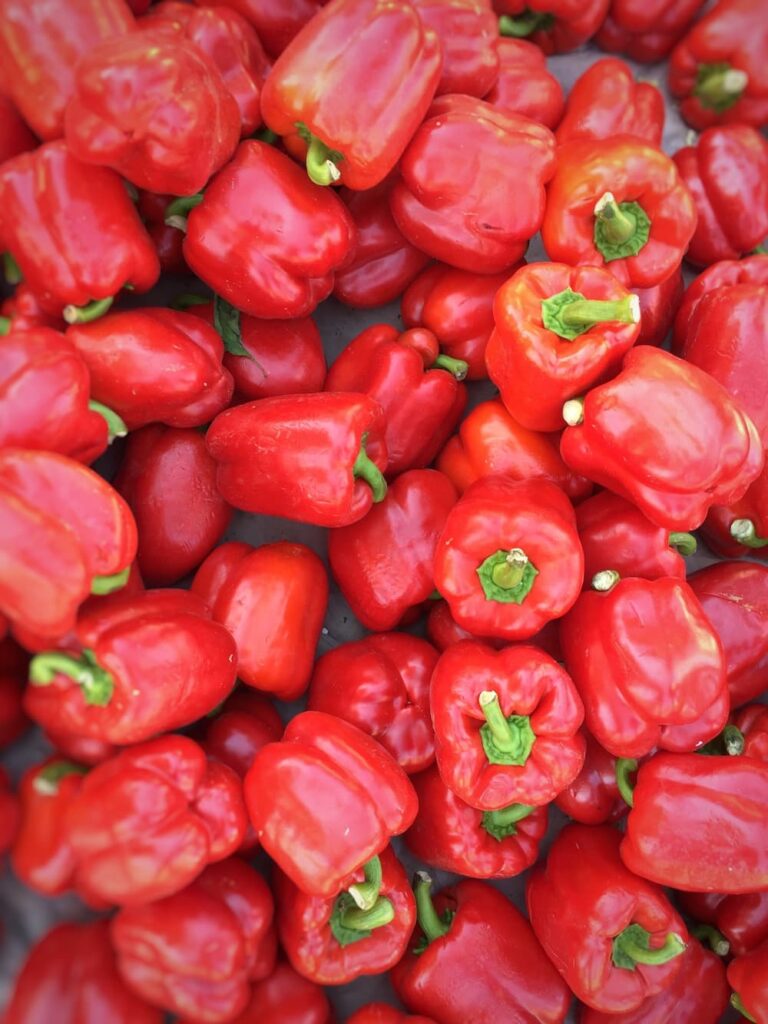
pixel 685 543
pixel 97 684
pixel 605 580
pixel 321 162
pixel 573 412
pixel 457 367
pixel 366 893
pixel 525 24
pixel 719 86
pixel 744 532
pixel 621 229
pixel 716 941
pixel 626 766
pixel 11 270
pixel 366 469
pixel 503 823
pixel 434 925
pixel 86 314
pixel 361 909
pixel 109 584
pixel 5 325
pixel 46 782
pixel 187 300
pixel 506 740
pixel 176 212
pixel 737 1004
pixel 115 424
pixel 507 576
pixel 632 947
pixel 570 314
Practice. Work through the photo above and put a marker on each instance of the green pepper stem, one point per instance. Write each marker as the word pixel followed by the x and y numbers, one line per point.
pixel 744 532
pixel 618 225
pixel 525 24
pixel 115 424
pixel 320 167
pixel 428 918
pixel 5 325
pixel 737 1004
pixel 716 941
pixel 573 412
pixel 366 469
pixel 510 815
pixel 96 682
pixel 366 893
pixel 266 135
pixel 720 85
pixel 635 950
pixel 457 367
pixel 685 543
pixel 358 920
pixel 585 312
pixel 497 723
pixel 108 584
pixel 733 740
pixel 11 269
pixel 46 781
pixel 188 299
pixel 605 580
pixel 625 766
pixel 176 212
pixel 86 314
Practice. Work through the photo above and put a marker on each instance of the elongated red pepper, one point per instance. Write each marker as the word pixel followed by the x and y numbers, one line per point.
pixel 15 136
pixel 383 1013
pixel 557 26
pixel 276 21
pixel 9 812
pixel 468 32
pixel 606 101
pixel 593 798
pixel 748 977
pixel 645 30
pixel 658 308
pixel 524 85
pixel 742 919
pixel 286 998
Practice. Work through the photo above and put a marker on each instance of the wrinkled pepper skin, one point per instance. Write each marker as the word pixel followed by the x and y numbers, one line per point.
pixel 748 977
pixel 450 835
pixel 557 26
pixel 266 238
pixel 286 998
pixel 645 30
pixel 164 948
pixel 742 919
pixel 329 86
pixel 272 600
pixel 698 823
pixel 276 21
pixel 524 85
pixel 468 32
pixel 383 564
pixel 383 1013
pixel 582 900
pixel 457 210
pixel 325 800
pixel 15 136
pixel 9 812
pixel 699 449
pixel 740 529
pixel 658 308
pixel 606 101
pixel 593 798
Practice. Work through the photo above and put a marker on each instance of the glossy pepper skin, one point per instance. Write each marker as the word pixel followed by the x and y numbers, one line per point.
pixel 509 559
pixel 658 308
pixel 645 31
pixel 276 21
pixel 606 101
pixel 697 823
pixel 742 919
pixel 286 998
pixel 455 209
pixel 468 33
pixel 443 631
pixel 752 721
pixel 721 276
pixel 697 450
pixel 593 798
pixel 355 114
pixel 168 241
pixel 384 563
pixel 524 85
pixel 511 977
pixel 15 136
pixel 615 938
pixel 272 600
pixel 59 217
pixel 146 664
pixel 325 800
pixel 740 529
pixel 557 26
pixel 266 238
pixel 559 330
pixel 381 685
pixel 417 386
pixel 748 977
pixel 333 940
pixel 22 310
pixel 267 454
pixel 383 1013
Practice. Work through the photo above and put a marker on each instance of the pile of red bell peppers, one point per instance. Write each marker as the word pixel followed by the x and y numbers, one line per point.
pixel 237 797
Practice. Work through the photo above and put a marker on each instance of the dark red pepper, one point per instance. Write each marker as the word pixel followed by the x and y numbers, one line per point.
pixel 276 21
pixel 606 100
pixel 9 812
pixel 741 919
pixel 658 307
pixel 468 33
pixel 741 528
pixel 13 674
pixel 645 30
pixel 15 136
pixel 748 977
pixel 524 85
pixel 167 240
pixel 593 798
pixel 557 26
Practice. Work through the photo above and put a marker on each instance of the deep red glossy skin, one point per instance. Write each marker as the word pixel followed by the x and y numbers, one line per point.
pixel 286 998
pixel 698 823
pixel 580 899
pixel 742 918
pixel 168 241
pixel 752 506
pixel 384 563
pixel 633 702
pixel 303 925
pixel 606 101
pixel 15 136
pixel 468 32
pixel 524 85
pixel 39 50
pixel 700 449
pixel 381 685
pixel 83 750
pixel 593 797
pixel 748 976
pixel 265 237
pixel 24 311
pixel 276 21
pixel 60 216
pixel 325 800
pixel 13 674
pixel 9 812
pixel 444 631
pixel 454 209
pixel 574 23
pixel 164 948
pixel 752 270
pixel 383 1013
pixel 645 30
pixel 70 976
pixel 658 307
pixel 510 977
pixel 448 834
pixel 169 662
pixel 752 720
pixel 272 599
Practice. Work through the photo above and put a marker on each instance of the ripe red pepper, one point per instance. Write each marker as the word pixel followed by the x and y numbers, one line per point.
pixel 195 953
pixel 315 458
pixel 325 800
pixel 752 722
pixel 286 998
pixel 748 977
pixel 455 209
pixel 146 664
pixel 468 32
pixel 593 798
pixel 510 977
pixel 59 217
pixel 9 812
pixel 606 101
pixel 658 307
pixel 557 26
pixel 381 685
pixel 509 558
pixel 333 98
pixel 363 930
pixel 722 276
pixel 22 311
pixel 168 241
pixel 559 330
pixel 740 529
pixel 272 600
pixel 383 1013
pixel 524 85
pixel 697 450
pixel 645 30
pixel 276 21
pixel 383 564
pixel 453 836
pixel 444 631
pixel 416 385
pixel 13 675
pixel 614 938
pixel 741 919
pixel 15 136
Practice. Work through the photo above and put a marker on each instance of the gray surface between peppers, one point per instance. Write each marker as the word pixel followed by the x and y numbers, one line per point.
pixel 25 915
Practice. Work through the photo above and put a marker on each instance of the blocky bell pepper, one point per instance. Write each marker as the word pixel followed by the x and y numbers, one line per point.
pixel 458 210
pixel 559 330
pixel 606 101
pixel 383 564
pixel 593 798
pixel 9 812
pixel 276 21
pixel 15 136
pixel 557 26
pixel 748 977
pixel 383 1013
pixel 615 938
pixel 381 685
pixel 525 85
pixel 741 919
pixel 645 30
pixel 272 599
pixel 658 308
pixel 286 998
pixel 740 529
pixel 325 800
pixel 331 96
pixel 468 33
pixel 22 310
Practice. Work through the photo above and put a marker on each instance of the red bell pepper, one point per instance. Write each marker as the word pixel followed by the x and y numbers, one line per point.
pixel 443 631
pixel 13 674
pixel 718 70
pixel 645 30
pixel 70 976
pixel 458 210
pixel 381 685
pixel 468 32
pixel 453 836
pixel 509 558
pixel 478 961
pixel 15 136
pixel 635 702
pixel 698 823
pixel 752 722
pixel 615 938
pixel 748 977
pixel 383 564
pixel 22 311
pixel 741 919
pixel 286 998
pixel 195 953
pixel 325 800
pixel 9 813
pixel 593 798
pixel 383 262
pixel 265 238
pixel 698 449
pixel 722 276
pixel 606 101
pixel 740 529
pixel 383 1013
pixel 363 930
pixel 557 26
pixel 524 85
pixel 658 307
pixel 40 47
pixel 416 385
pixel 146 664
pixel 82 750
pixel 334 98
pixel 272 599
pixel 559 330
pixel 276 21
pixel 58 218
pixel 168 241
